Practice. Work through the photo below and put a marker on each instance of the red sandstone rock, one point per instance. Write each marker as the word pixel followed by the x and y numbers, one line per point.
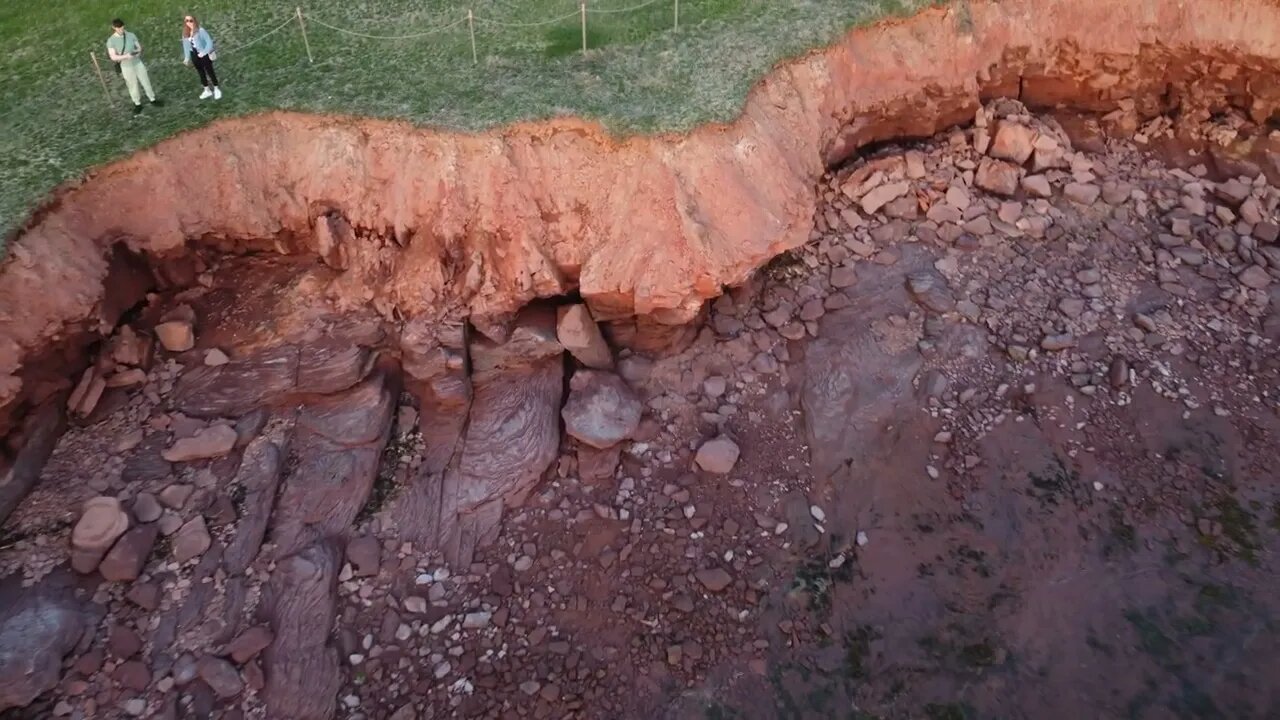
pixel 997 177
pixel 249 643
pixel 102 522
pixel 1014 142
pixel 211 442
pixel 602 410
pixel 176 336
pixel 579 334
pixel 192 540
pixel 1037 186
pixel 127 557
pixel 717 456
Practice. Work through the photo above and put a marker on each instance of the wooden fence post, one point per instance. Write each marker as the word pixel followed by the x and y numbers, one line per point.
pixel 471 23
pixel 110 101
pixel 305 41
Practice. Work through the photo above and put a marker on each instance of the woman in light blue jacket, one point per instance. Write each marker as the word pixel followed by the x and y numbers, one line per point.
pixel 197 49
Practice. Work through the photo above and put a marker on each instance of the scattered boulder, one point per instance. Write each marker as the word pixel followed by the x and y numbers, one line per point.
pixel 958 197
pixel 581 336
pixel 1266 231
pixel 997 176
pixel 1082 193
pixel 100 525
pixel 221 676
pixel 882 195
pixel 175 496
pixel 146 508
pixel 133 675
pixel 943 212
pixel 192 540
pixel 1037 186
pixel 1254 277
pixel 1058 342
pixel 123 641
pixel 718 456
pixel 1233 192
pixel 176 335
pixel 211 442
pixel 169 523
pixel 598 465
pixel 144 595
pixel 1048 154
pixel 216 357
pixel 1014 142
pixel 915 164
pixel 129 555
pixel 714 579
pixel 249 643
pixel 843 276
pixel 602 410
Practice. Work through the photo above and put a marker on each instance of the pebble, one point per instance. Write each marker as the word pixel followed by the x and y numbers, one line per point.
pixel 714 579
pixel 1058 342
pixel 476 620
pixel 1082 193
pixel 717 456
pixel 530 687
pixel 191 540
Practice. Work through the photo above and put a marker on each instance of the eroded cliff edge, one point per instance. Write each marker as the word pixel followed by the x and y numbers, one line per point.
pixel 429 224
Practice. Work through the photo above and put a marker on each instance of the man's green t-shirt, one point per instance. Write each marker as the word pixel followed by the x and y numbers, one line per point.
pixel 124 44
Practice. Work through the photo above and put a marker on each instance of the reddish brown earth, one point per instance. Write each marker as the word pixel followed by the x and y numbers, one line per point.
pixel 995 454
pixel 430 224
pixel 992 438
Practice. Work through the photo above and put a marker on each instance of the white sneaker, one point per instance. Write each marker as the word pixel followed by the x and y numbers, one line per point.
pixel 207 93
pixel 217 94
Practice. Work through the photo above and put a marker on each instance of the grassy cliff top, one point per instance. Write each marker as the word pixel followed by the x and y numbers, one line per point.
pixel 640 74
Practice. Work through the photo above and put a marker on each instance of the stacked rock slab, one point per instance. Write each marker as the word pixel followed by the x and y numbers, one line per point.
pixel 100 525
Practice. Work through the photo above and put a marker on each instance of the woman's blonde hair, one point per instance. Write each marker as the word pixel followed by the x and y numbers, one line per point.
pixel 195 25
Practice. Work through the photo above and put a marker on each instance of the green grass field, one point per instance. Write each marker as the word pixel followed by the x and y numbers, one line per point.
pixel 639 76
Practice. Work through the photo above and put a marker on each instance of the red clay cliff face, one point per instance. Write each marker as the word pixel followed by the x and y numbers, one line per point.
pixel 429 224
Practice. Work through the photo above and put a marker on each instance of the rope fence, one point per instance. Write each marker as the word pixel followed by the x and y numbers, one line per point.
pixel 262 37
pixel 584 11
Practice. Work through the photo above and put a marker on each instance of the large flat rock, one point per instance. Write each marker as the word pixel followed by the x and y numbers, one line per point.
pixel 39 626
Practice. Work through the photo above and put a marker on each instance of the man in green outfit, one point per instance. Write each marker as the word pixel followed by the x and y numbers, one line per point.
pixel 123 48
